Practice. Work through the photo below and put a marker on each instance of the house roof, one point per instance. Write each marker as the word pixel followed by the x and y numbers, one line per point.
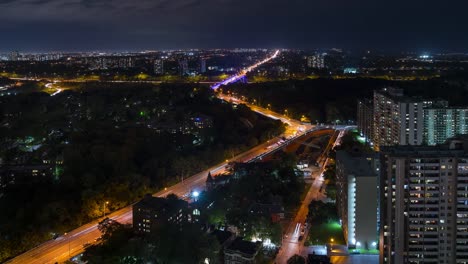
pixel 243 246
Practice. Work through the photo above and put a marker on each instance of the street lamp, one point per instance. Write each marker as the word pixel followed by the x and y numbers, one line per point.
pixel 331 243
pixel 68 238
pixel 107 202
pixel 195 195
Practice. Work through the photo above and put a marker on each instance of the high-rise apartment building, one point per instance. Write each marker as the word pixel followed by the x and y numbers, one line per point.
pixel 399 119
pixel 357 197
pixel 159 66
pixel 202 65
pixel 183 67
pixel 316 61
pixel 14 56
pixel 424 203
pixel 365 118
pixel 443 123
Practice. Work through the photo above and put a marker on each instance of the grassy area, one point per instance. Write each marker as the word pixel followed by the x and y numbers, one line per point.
pixel 323 233
pixel 364 251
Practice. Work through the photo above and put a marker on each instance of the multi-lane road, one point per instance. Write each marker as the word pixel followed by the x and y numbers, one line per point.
pixel 243 72
pixel 72 243
pixel 294 126
pixel 292 244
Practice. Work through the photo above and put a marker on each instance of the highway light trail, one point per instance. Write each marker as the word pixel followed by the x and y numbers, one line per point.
pixel 240 75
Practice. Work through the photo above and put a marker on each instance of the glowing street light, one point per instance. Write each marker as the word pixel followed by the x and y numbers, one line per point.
pixel 195 194
pixel 105 203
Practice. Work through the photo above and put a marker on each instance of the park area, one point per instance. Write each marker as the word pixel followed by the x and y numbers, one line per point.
pixel 325 233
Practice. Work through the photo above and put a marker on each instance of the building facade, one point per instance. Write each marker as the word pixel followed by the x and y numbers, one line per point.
pixel 153 212
pixel 398 119
pixel 183 67
pixel 443 123
pixel 365 118
pixel 202 65
pixel 424 203
pixel 357 197
pixel 159 66
pixel 316 61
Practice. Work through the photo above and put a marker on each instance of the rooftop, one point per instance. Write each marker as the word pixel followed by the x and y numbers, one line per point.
pixel 161 204
pixel 222 236
pixel 456 146
pixel 397 95
pixel 243 246
pixel 359 164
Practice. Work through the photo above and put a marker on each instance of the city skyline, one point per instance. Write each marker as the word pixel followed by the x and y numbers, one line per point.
pixel 50 25
pixel 233 132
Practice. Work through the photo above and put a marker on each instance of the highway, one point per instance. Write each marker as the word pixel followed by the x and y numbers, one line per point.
pixel 242 73
pixel 294 126
pixel 93 80
pixel 72 243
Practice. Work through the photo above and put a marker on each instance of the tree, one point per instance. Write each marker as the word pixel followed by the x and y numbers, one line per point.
pixel 296 259
pixel 331 191
pixel 108 227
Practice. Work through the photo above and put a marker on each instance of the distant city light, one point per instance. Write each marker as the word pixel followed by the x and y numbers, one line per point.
pixel 350 70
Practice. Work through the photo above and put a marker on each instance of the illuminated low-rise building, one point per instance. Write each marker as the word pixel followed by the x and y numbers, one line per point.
pixel 151 213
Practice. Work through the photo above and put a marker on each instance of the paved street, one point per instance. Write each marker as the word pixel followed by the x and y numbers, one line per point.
pixel 71 244
pixel 291 243
pixel 355 259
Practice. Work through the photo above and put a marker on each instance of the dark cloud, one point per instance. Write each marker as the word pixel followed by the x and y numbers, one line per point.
pixel 152 24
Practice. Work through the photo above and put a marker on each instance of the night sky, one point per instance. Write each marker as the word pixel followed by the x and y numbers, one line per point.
pixel 126 25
